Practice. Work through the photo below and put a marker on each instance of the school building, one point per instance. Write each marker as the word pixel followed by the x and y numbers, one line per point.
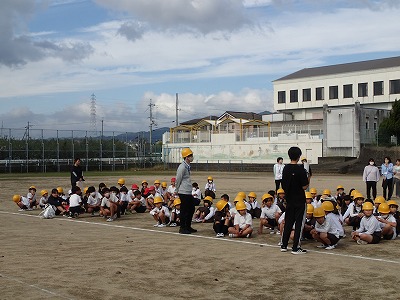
pixel 329 111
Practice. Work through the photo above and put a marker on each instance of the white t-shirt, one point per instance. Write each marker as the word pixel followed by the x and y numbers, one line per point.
pixel 269 212
pixel 105 202
pixel 196 193
pixel 75 200
pixel 124 197
pixel 95 201
pixel 242 221
pixel 31 196
pixel 171 189
pixel 390 218
pixel 278 169
pixel 25 201
pixel 157 210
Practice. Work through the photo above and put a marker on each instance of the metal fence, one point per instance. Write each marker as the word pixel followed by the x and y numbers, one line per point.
pixel 46 150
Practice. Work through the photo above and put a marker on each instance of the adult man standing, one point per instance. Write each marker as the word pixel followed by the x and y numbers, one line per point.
pixel 294 182
pixel 278 169
pixel 184 189
pixel 76 173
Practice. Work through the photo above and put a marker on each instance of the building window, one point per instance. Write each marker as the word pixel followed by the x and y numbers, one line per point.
pixel 348 91
pixel 281 97
pixel 294 96
pixel 378 88
pixel 363 89
pixel 334 92
pixel 319 93
pixel 394 86
pixel 367 125
pixel 375 126
pixel 306 95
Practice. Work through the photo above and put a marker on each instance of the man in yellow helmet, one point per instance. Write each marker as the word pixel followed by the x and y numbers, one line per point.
pixel 184 189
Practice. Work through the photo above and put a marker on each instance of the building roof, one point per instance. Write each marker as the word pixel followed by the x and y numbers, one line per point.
pixel 382 63
pixel 240 115
pixel 195 121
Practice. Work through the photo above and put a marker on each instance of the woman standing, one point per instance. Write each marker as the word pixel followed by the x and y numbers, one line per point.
pixel 387 173
pixel 371 176
pixel 396 172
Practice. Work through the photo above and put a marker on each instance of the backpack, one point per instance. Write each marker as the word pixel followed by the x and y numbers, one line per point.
pixel 49 212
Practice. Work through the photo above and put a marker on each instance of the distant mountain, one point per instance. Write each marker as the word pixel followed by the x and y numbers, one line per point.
pixel 156 136
pixel 265 112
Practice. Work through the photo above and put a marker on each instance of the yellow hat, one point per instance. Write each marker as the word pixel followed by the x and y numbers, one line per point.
pixel 313 190
pixel 158 199
pixel 32 187
pixel 177 201
pixel 319 212
pixel 186 152
pixel 280 191
pixel 210 178
pixel 164 184
pixel 308 195
pixel 326 192
pixel 310 209
pixel 327 206
pixel 242 195
pixel 266 196
pixel 16 198
pixel 384 208
pixel 121 181
pixel 367 206
pixel 240 205
pixel 252 194
pixel 392 202
pixel 60 190
pixel 340 187
pixel 208 198
pixel 43 192
pixel 379 199
pixel 157 181
pixel 221 204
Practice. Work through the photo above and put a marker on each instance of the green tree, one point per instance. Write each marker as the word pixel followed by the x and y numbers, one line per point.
pixel 391 125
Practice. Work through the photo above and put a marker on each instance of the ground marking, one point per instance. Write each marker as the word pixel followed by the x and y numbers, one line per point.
pixel 208 237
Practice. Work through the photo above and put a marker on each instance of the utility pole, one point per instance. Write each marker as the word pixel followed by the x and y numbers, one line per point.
pixel 176 110
pixel 93 124
pixel 151 105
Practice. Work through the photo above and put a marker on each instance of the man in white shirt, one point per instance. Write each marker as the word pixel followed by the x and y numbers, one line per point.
pixel 278 169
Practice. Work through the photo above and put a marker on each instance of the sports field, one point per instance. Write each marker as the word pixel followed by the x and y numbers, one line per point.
pixel 89 258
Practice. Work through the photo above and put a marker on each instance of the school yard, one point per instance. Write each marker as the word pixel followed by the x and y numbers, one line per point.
pixel 88 258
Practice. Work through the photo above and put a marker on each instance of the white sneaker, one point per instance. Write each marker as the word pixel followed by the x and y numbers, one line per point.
pixel 232 235
pixel 272 232
pixel 361 242
pixel 299 251
pixel 172 225
pixel 21 209
pixel 161 225
pixel 220 235
pixel 278 232
pixel 330 247
pixel 156 225
pixel 110 219
pixel 321 246
pixel 280 244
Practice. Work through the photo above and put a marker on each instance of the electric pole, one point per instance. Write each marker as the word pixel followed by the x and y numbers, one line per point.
pixel 93 124
pixel 176 110
pixel 151 105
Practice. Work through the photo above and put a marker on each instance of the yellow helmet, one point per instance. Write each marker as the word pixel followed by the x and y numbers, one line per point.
pixel 266 196
pixel 303 158
pixel 368 206
pixel 280 191
pixel 326 192
pixel 379 199
pixel 157 181
pixel 240 205
pixel 327 206
pixel 60 190
pixel 210 178
pixel 237 199
pixel 177 201
pixel 358 195
pixel 164 184
pixel 85 189
pixel 144 181
pixel 353 192
pixel 158 199
pixel 392 202
pixel 32 187
pixel 319 212
pixel 340 187
pixel 186 152
pixel 16 198
pixel 310 209
pixel 208 198
pixel 384 208
pixel 221 204
pixel 121 181
pixel 308 195
pixel 43 192
pixel 252 194
pixel 241 195
pixel 313 190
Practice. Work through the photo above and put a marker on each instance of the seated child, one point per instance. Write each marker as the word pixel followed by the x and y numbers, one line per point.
pixel 354 213
pixel 270 214
pixel 115 201
pixel 196 192
pixel 138 203
pixel 309 223
pixel 255 209
pixel 75 202
pixel 171 193
pixel 93 200
pixel 324 231
pixel 395 213
pixel 160 213
pixel 225 197
pixel 107 208
pixel 32 197
pixel 378 200
pixel 58 202
pixel 43 199
pixel 281 225
pixel 176 213
pixel 222 219
pixel 280 199
pixel 242 223
pixel 370 231
pixel 387 222
pixel 123 198
pixel 206 212
pixel 345 204
pixel 22 202
pixel 151 192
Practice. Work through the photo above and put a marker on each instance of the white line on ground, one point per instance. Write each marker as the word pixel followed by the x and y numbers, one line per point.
pixel 209 238
pixel 34 286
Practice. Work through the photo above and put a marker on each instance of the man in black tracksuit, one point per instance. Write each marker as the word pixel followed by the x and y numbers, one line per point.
pixel 294 182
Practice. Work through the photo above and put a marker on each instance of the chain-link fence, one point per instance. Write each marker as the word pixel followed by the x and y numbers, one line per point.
pixel 45 150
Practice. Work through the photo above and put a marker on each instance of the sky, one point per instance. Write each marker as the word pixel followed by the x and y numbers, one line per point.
pixel 218 55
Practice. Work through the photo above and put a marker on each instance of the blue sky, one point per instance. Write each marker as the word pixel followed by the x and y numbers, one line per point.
pixel 217 54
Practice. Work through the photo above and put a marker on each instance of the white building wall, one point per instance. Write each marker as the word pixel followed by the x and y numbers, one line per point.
pixel 370 76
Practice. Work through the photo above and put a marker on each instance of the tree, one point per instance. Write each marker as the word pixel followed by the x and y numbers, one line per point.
pixel 390 125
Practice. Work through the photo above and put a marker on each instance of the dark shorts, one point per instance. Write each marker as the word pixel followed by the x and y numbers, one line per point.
pixel 333 239
pixel 140 209
pixel 272 222
pixel 376 237
pixel 388 236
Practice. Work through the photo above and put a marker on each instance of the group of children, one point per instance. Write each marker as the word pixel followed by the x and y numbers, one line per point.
pixel 326 213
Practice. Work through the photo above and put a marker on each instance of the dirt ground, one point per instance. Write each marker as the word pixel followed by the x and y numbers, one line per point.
pixel 88 258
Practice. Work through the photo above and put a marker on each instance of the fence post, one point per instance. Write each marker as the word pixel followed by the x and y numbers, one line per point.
pixel 58 154
pixel 87 151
